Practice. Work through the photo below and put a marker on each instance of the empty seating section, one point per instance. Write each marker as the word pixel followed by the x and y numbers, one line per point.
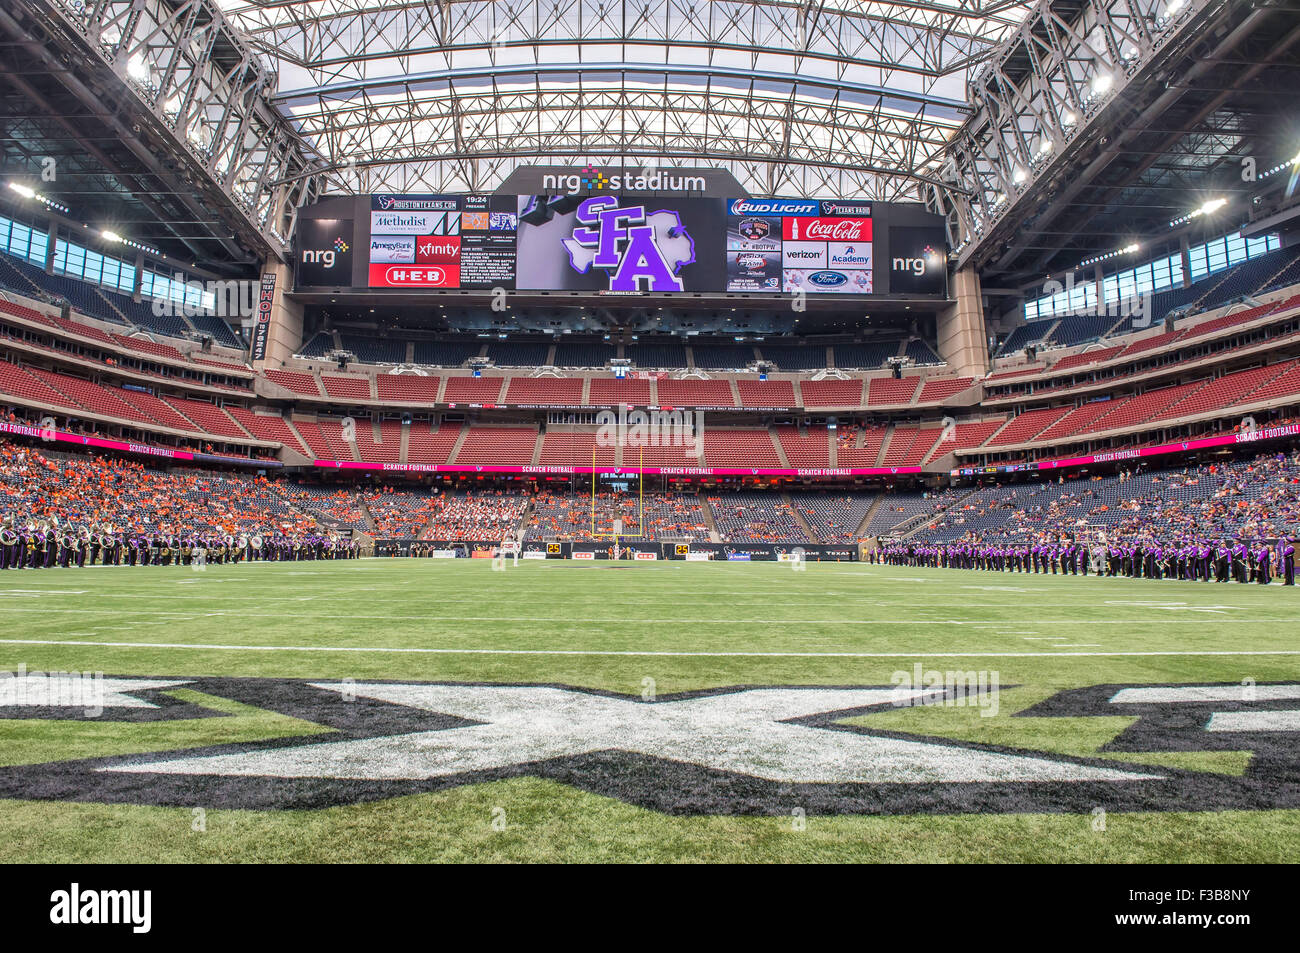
pixel 794 357
pixel 431 447
pixel 267 427
pixel 831 393
pixel 318 345
pixel 386 447
pixel 335 507
pixel 209 417
pixel 766 393
pixel 561 448
pixel 1223 392
pixel 862 448
pixel 1289 275
pixel 352 387
pixel 1225 321
pixel 325 438
pixel 1285 385
pixel 92 332
pixel 231 367
pixel 809 447
pixel 922 354
pixel 1025 335
pixel 1000 376
pixel 723 357
pixel 488 446
pixel 677 453
pixel 1078 328
pixel 695 393
pixel 834 517
pixel 939 389
pixel 374 350
pixel 868 357
pixel 147 346
pixel 1151 343
pixel 1140 408
pixel 295 381
pixel 91 396
pixel 518 353
pixel 407 388
pixel 899 508
pixel 755 517
pixel 1027 426
pixel 1077 419
pixel 16 381
pixel 1087 357
pixel 965 437
pixel 612 390
pixel 740 448
pixel 1244 279
pixel 446 353
pixel 910 445
pixel 154 408
pixel 583 353
pixel 883 391
pixel 217 327
pixel 659 354
pixel 472 390
pixel 545 390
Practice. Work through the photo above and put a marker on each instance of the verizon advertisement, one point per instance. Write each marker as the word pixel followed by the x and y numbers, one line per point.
pixel 595 240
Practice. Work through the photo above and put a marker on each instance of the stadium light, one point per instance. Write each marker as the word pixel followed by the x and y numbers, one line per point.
pixel 1209 208
pixel 110 236
pixel 1018 176
pixel 29 193
pixel 137 68
pixel 23 190
pixel 1101 83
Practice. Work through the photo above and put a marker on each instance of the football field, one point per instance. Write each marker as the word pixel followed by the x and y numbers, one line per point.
pixel 433 710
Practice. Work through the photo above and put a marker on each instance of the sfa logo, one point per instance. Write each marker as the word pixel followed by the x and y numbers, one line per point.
pixel 640 251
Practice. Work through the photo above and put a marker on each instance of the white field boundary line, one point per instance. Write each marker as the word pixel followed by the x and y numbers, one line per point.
pixel 618 652
pixel 188 615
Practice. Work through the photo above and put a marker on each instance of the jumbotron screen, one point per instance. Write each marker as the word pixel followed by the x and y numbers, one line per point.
pixel 625 244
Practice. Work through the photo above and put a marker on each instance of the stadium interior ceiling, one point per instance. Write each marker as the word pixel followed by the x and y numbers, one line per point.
pixel 1052 136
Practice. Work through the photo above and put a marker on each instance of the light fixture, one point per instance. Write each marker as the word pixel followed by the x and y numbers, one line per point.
pixel 1018 175
pixel 23 190
pixel 1209 208
pixel 1101 83
pixel 137 68
pixel 110 236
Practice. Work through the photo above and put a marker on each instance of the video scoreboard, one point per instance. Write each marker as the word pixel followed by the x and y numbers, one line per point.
pixel 621 244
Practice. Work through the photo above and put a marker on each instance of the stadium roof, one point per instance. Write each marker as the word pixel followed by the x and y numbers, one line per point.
pixel 824 97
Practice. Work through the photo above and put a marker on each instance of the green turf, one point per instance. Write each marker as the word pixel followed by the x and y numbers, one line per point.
pixel 683 625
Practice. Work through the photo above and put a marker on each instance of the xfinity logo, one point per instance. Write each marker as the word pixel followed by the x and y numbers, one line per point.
pixel 76 906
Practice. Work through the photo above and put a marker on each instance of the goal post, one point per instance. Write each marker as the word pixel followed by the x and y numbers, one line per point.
pixel 617 530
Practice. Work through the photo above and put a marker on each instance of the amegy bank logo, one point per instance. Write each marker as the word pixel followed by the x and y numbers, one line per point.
pixel 736 750
pixel 591 179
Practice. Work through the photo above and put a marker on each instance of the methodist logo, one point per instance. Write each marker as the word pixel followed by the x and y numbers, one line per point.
pixel 639 250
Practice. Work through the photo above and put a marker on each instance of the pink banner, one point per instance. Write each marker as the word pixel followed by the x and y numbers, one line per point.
pixel 648 471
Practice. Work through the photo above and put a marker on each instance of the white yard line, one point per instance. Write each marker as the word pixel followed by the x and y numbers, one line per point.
pixel 618 652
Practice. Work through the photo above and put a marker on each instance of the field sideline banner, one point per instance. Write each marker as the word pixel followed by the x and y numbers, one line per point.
pixel 616 471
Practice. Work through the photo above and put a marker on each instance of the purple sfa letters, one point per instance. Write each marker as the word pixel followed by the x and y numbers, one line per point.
pixel 640 251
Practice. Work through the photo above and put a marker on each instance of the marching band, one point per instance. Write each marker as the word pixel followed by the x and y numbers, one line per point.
pixel 46 545
pixel 1225 560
